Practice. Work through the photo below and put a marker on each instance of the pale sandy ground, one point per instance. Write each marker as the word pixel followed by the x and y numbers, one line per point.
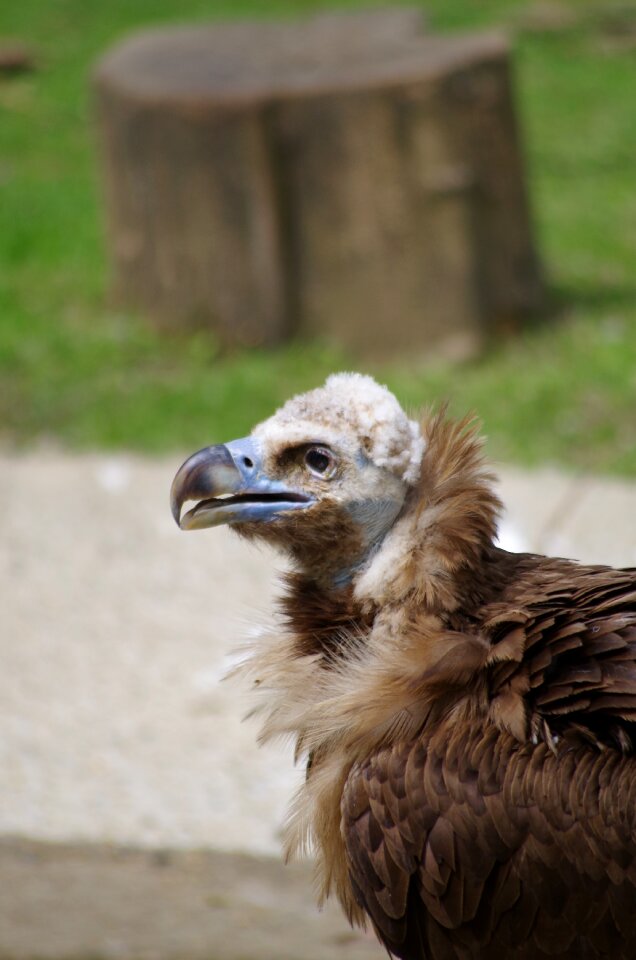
pixel 117 628
pixel 116 730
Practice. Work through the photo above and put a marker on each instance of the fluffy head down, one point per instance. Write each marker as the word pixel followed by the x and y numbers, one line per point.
pixel 351 405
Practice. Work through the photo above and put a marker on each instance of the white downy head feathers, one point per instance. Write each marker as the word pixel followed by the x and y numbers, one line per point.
pixel 351 409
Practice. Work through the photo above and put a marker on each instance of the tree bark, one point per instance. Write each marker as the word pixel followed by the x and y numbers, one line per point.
pixel 347 177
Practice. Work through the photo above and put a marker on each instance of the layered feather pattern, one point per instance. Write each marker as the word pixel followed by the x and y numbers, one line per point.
pixel 468 719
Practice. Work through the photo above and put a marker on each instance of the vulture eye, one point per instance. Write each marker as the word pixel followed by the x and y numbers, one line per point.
pixel 320 461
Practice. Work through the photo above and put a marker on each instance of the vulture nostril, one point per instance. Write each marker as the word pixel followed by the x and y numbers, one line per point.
pixel 248 463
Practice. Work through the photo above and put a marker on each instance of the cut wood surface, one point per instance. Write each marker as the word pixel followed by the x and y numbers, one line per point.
pixel 349 177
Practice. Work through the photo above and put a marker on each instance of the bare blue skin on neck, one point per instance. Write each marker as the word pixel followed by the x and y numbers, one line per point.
pixel 375 517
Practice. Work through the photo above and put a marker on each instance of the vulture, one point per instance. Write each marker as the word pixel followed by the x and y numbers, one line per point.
pixel 466 715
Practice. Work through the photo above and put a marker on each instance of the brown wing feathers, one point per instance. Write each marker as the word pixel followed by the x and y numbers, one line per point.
pixel 543 874
pixel 469 842
pixel 580 651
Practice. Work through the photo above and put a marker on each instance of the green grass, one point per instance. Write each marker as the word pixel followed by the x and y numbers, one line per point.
pixel 74 369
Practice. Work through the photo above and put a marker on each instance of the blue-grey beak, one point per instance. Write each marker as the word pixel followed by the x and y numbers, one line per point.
pixel 229 485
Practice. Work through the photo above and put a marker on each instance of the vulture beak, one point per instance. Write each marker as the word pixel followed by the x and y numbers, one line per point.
pixel 229 485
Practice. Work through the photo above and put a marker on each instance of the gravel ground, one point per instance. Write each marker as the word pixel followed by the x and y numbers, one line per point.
pixel 115 727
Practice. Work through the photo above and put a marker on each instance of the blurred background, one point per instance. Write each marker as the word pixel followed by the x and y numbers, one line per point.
pixel 119 746
pixel 78 372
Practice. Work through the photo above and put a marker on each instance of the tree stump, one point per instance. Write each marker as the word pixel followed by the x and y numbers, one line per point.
pixel 348 176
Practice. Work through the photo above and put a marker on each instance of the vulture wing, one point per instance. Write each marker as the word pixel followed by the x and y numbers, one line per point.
pixel 476 841
pixel 577 627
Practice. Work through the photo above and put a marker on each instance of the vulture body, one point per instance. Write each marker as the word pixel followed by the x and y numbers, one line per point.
pixel 467 715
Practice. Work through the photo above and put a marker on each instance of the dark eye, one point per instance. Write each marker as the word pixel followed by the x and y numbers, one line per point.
pixel 320 461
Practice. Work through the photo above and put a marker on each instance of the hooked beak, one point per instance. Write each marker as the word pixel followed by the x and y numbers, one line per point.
pixel 229 486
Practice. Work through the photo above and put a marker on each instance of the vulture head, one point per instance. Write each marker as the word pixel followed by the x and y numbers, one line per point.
pixel 324 478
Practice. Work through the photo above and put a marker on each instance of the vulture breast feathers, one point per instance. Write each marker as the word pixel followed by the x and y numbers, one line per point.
pixel 467 715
